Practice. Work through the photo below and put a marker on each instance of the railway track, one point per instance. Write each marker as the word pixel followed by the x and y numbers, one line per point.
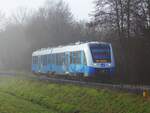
pixel 136 89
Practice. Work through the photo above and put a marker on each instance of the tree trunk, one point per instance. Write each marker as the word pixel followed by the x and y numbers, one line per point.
pixel 117 17
pixel 128 18
pixel 122 16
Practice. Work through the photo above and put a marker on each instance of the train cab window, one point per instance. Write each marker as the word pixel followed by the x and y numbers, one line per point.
pixel 100 53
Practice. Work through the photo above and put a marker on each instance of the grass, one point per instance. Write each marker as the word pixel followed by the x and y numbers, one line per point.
pixel 23 95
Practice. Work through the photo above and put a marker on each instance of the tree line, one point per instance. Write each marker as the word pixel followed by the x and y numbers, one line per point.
pixel 26 31
pixel 126 24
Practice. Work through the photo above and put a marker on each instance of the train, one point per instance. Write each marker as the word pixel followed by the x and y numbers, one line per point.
pixel 79 59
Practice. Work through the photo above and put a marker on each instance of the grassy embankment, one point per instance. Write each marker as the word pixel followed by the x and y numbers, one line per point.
pixel 22 95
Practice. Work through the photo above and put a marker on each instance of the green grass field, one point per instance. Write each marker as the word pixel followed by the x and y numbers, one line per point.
pixel 23 95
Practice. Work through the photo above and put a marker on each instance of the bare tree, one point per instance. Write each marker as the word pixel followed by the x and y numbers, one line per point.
pixel 21 16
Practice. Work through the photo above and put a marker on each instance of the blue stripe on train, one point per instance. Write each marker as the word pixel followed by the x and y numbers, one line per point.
pixel 72 68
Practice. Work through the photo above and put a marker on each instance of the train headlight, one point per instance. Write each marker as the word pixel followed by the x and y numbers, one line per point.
pixel 109 64
pixel 95 64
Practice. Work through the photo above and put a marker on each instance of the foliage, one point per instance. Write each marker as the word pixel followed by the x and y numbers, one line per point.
pixel 27 94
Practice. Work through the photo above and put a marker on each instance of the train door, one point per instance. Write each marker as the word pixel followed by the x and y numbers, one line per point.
pixel 84 63
pixel 39 64
pixel 66 65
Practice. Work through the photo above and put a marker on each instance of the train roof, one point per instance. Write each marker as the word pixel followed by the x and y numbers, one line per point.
pixel 63 48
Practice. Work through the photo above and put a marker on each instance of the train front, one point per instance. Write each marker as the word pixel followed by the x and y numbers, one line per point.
pixel 101 59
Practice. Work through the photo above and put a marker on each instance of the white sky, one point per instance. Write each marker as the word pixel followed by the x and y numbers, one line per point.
pixel 79 8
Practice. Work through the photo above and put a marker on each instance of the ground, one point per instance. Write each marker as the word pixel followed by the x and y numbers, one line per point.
pixel 24 93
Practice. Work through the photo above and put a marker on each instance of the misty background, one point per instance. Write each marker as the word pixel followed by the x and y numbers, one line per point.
pixel 124 23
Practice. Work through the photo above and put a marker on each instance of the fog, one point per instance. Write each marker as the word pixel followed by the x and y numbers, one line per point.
pixel 26 31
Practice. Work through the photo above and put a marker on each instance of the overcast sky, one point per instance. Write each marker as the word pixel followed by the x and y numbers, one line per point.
pixel 79 8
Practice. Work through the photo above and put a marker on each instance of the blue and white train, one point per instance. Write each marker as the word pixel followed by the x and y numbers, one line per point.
pixel 88 59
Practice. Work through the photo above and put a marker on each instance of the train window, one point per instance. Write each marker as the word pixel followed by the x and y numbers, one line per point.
pixel 52 59
pixel 78 57
pixel 45 59
pixel 57 59
pixel 62 58
pixel 84 59
pixel 49 59
pixel 71 57
pixel 66 57
pixel 74 57
pixel 33 60
pixel 41 60
pixel 36 60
